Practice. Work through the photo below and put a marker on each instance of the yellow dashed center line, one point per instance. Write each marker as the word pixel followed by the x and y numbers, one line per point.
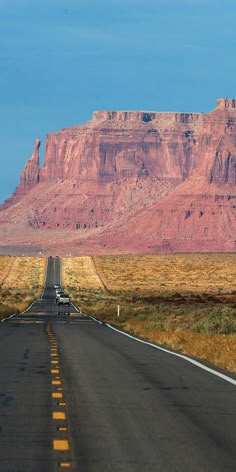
pixel 58 415
pixel 61 445
pixel 57 395
pixel 58 444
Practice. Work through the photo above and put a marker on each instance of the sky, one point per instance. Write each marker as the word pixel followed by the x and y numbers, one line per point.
pixel 60 60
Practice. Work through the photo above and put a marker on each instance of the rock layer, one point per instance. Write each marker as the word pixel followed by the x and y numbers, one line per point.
pixel 146 180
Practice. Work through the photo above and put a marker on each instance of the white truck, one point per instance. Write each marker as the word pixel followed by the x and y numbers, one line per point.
pixel 63 299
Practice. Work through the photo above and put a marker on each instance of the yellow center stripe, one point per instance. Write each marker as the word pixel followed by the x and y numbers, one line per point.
pixel 61 445
pixel 57 395
pixel 58 415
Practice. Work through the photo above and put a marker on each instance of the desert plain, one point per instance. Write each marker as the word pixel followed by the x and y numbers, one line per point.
pixel 186 302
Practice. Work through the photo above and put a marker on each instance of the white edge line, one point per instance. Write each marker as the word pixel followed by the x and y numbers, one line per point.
pixel 75 307
pixel 39 299
pixel 100 322
pixel 31 305
pixel 4 319
pixel 45 278
pixel 181 356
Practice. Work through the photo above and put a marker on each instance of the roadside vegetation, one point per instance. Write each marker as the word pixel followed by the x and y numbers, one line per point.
pixel 21 281
pixel 184 301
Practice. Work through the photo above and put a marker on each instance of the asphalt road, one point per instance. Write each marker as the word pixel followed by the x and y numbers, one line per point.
pixel 75 394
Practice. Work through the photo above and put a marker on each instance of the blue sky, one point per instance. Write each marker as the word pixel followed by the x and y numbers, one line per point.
pixel 62 59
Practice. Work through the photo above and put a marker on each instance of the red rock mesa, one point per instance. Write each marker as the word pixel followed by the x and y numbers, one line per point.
pixel 134 181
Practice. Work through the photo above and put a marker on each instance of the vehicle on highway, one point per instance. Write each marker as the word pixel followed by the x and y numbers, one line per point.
pixel 63 299
pixel 59 290
pixel 59 293
pixel 57 286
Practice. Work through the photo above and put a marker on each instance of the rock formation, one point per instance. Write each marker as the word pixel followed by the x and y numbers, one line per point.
pixel 145 180
pixel 30 174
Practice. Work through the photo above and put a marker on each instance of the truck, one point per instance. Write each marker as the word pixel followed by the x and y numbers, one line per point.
pixel 63 299
pixel 59 293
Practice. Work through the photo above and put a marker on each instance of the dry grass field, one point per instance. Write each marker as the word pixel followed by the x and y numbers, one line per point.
pixel 184 301
pixel 80 273
pixel 21 281
pixel 163 274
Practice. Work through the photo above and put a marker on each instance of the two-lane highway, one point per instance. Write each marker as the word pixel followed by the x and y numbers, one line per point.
pixel 76 394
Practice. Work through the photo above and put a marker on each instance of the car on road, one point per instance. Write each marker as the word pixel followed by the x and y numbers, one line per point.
pixel 59 293
pixel 63 299
pixel 57 286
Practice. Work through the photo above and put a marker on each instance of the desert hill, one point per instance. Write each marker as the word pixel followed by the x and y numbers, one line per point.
pixel 130 182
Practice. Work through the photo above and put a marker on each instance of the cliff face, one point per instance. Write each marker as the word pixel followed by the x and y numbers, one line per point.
pixel 116 162
pixel 164 169
pixel 30 175
pixel 218 144
pixel 117 145
pixel 28 179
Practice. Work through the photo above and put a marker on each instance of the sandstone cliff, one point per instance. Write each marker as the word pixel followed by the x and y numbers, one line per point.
pixel 150 180
pixel 118 161
pixel 29 177
pixel 117 145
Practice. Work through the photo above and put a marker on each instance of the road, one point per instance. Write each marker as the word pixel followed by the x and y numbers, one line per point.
pixel 77 395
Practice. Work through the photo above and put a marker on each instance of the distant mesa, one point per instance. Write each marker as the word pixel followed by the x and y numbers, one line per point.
pixel 226 103
pixel 141 181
